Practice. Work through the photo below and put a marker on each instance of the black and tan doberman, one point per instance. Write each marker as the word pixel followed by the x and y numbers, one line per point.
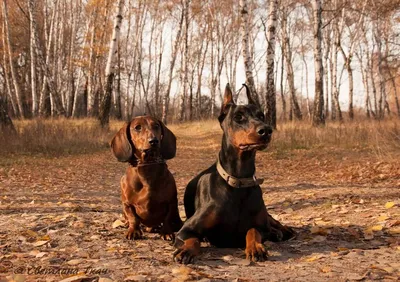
pixel 224 203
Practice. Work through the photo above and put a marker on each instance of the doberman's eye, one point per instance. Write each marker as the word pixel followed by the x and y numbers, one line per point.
pixel 260 116
pixel 239 118
pixel 138 128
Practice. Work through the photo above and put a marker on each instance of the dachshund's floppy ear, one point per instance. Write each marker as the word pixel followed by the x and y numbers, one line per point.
pixel 121 144
pixel 168 143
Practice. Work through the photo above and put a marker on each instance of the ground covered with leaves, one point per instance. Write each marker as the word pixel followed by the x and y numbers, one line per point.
pixel 60 218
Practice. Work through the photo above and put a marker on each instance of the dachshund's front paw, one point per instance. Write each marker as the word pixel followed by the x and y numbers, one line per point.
pixel 134 233
pixel 187 251
pixel 168 237
pixel 256 252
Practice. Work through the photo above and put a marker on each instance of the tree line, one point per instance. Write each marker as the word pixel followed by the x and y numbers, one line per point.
pixel 170 59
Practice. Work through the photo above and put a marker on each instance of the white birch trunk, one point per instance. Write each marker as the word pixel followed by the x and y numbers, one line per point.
pixel 12 67
pixel 105 106
pixel 35 97
pixel 318 114
pixel 247 57
pixel 171 70
pixel 270 109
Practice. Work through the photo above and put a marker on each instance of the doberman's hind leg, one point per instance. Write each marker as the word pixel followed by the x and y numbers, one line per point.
pixel 272 229
pixel 255 250
pixel 134 231
pixel 279 232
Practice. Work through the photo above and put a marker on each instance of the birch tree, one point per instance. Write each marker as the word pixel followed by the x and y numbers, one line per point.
pixel 35 98
pixel 14 77
pixel 247 56
pixel 172 66
pixel 105 105
pixel 318 114
pixel 270 98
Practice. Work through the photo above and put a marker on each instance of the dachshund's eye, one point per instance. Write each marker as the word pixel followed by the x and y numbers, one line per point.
pixel 239 118
pixel 260 116
pixel 156 126
pixel 138 127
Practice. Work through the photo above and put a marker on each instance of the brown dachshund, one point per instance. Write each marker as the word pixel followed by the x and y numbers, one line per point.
pixel 224 203
pixel 148 189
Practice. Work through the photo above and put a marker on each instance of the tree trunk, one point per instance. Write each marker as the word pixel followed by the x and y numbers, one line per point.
pixel 270 97
pixel 281 85
pixel 43 64
pixel 105 106
pixel 318 113
pixel 7 76
pixel 247 57
pixel 171 69
pixel 294 105
pixel 14 74
pixel 182 115
pixel 6 124
pixel 35 98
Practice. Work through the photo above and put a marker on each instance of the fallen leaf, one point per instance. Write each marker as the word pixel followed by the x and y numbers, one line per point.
pixel 376 228
pixel 75 278
pixel 389 205
pixel 313 258
pixel 394 230
pixel 41 254
pixel 318 230
pixel 74 262
pixel 136 278
pixel 118 223
pixel 383 218
pixel 40 243
pixel 326 269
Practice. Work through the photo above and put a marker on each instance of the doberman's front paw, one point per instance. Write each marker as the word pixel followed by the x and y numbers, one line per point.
pixel 134 234
pixel 184 256
pixel 187 251
pixel 256 252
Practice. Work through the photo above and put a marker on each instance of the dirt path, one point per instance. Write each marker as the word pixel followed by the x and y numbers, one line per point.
pixel 57 215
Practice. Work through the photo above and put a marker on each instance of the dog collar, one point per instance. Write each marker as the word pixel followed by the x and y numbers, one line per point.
pixel 137 163
pixel 238 182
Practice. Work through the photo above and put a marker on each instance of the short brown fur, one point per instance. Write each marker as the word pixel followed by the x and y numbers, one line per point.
pixel 148 189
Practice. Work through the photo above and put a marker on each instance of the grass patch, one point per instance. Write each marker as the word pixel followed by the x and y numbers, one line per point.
pixel 56 137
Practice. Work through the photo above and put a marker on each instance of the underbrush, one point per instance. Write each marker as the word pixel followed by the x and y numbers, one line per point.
pixel 62 136
pixel 55 137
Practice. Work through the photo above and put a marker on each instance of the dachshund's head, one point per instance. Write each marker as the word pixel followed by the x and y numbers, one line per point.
pixel 244 125
pixel 144 138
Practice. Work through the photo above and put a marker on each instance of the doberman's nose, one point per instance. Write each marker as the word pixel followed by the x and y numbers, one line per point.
pixel 153 141
pixel 264 131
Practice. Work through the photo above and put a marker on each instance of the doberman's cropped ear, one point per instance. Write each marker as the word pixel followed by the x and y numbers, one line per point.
pixel 168 143
pixel 227 103
pixel 121 144
pixel 248 94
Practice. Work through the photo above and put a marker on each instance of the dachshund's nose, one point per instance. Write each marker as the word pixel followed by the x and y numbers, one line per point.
pixel 153 141
pixel 264 131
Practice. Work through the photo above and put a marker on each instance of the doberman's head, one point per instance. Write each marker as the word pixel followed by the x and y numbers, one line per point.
pixel 243 125
pixel 144 138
